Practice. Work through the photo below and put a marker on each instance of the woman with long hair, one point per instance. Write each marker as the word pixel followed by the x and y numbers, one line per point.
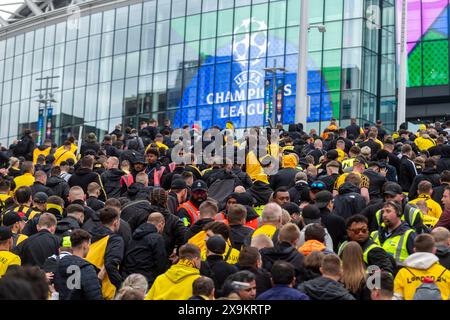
pixel 354 271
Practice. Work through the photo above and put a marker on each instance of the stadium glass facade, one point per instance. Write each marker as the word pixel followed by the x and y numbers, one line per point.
pixel 196 61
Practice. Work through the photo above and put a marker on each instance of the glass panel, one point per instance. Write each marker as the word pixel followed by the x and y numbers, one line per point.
pixel 10 47
pixel 9 65
pixel 105 69
pixel 130 100
pixel 82 49
pixel 92 75
pixel 2 49
pixel 121 18
pixel 48 58
pixel 5 119
pixel 108 20
pixel 19 45
pixel 94 47
pixel 96 23
pixel 81 71
pixel 351 68
pixel 148 36
pixel 78 102
pixel 60 32
pixel 193 28
pixel 132 64
pixel 71 48
pixel 163 10
pixel 316 12
pixel 27 63
pixel 14 120
pixel 90 109
pixel 191 52
pixel 208 28
pixel 353 9
pixel 104 94
pixel 29 41
pixel 6 93
pixel 38 39
pixel 135 15
pixel 17 67
pixel 277 14
pixel 177 30
pixel 37 61
pixel 16 90
pixel 67 107
pixel 176 57
pixel 149 12
pixel 83 28
pixel 333 10
pixel 161 58
pixel 209 5
pixel 134 38
pixel 293 13
pixel 119 67
pixel 116 99
pixel 352 33
pixel 146 65
pixel 26 87
pixel 178 8
pixel 194 6
pixel 69 73
pixel 225 26
pixel 59 55
pixel 240 16
pixel 333 36
pixel 162 33
pixel 107 44
pixel 120 42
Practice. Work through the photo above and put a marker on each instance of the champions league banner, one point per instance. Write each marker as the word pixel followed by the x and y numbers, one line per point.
pixel 233 86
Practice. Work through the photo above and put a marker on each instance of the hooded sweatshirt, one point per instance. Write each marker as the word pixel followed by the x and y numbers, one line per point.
pixel 325 289
pixel 418 266
pixel 176 283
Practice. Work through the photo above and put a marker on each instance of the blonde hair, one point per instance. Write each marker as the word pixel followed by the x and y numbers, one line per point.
pixel 135 283
pixel 12 162
pixel 353 267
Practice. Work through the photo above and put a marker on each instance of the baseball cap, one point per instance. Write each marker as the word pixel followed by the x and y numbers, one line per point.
pixel 216 244
pixel 323 198
pixel 311 214
pixel 360 159
pixel 40 197
pixel 332 155
pixel 5 233
pixel 317 186
pixel 392 188
pixel 12 217
pixel 178 184
pixel 199 185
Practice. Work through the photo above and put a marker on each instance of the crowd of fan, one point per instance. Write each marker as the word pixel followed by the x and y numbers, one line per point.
pixel 353 214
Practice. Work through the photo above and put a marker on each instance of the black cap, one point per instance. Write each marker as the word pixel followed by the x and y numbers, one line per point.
pixel 392 188
pixel 323 198
pixel 5 233
pixel 178 184
pixel 291 208
pixel 216 244
pixel 199 185
pixel 12 217
pixel 311 214
pixel 40 197
pixel 332 155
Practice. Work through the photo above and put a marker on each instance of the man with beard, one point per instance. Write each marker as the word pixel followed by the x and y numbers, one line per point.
pixel 189 211
pixel 396 237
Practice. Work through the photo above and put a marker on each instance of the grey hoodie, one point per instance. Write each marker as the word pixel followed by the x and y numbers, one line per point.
pixel 328 240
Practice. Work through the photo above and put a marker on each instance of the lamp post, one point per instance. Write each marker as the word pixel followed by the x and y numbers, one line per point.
pixel 301 98
pixel 274 71
pixel 46 99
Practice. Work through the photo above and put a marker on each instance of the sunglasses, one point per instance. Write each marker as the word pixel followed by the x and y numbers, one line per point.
pixel 317 185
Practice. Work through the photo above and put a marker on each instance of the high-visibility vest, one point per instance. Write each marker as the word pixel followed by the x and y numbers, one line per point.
pixel 410 215
pixel 221 217
pixel 365 252
pixel 96 256
pixel 394 246
pixel 194 213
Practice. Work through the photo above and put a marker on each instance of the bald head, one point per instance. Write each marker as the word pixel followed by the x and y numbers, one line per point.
pixel 272 214
pixel 142 177
pixel 261 241
pixel 157 219
pixel 76 193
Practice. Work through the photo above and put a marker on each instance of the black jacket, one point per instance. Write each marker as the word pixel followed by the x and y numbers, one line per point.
pixel 283 178
pixel 215 268
pixel 94 203
pixel 374 147
pixel 444 162
pixel 394 161
pixel 407 173
pixel 124 229
pixel 137 191
pixel 335 225
pixel 238 234
pixel 59 187
pixel 114 188
pixel 90 286
pixel 329 181
pixel 146 253
pixel 376 182
pixel 438 193
pixel 172 202
pixel 24 148
pixel 349 201
pixel 261 192
pixel 353 130
pixel 378 257
pixel 243 177
pixel 299 192
pixel 111 151
pixel 82 177
pixel 39 187
pixel 325 289
pixel 282 251
pixel 428 174
pixel 370 213
pixel 443 253
pixel 196 228
pixel 113 254
pixel 133 211
pixel 34 250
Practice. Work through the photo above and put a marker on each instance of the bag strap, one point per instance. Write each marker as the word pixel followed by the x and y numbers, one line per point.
pixel 133 203
pixel 61 155
pixel 101 185
pixel 228 254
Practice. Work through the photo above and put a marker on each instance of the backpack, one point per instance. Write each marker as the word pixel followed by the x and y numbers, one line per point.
pixel 21 148
pixel 220 189
pixel 428 289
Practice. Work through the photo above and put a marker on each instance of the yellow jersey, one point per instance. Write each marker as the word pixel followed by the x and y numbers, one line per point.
pixel 8 259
